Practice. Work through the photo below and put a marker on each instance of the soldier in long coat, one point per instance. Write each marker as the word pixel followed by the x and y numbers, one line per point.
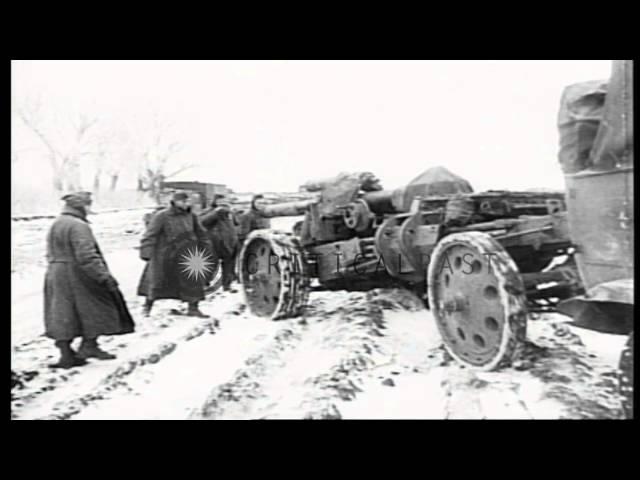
pixel 178 255
pixel 81 297
pixel 219 222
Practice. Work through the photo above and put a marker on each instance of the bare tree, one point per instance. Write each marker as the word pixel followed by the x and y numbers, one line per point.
pixel 159 148
pixel 64 152
pixel 115 152
pixel 113 173
pixel 105 151
pixel 81 126
pixel 31 115
pixel 97 174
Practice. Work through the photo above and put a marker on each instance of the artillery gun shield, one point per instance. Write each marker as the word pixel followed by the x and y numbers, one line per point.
pixel 476 295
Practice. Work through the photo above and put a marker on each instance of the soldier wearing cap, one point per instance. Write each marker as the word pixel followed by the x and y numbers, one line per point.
pixel 81 297
pixel 253 219
pixel 178 253
pixel 219 222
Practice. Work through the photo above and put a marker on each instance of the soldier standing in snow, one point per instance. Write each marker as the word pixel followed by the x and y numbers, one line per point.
pixel 218 220
pixel 177 251
pixel 81 297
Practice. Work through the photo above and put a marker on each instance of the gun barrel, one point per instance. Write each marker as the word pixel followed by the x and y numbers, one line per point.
pixel 287 209
pixel 385 201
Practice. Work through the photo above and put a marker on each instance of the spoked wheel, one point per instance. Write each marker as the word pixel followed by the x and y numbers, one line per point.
pixel 273 274
pixel 626 378
pixel 476 295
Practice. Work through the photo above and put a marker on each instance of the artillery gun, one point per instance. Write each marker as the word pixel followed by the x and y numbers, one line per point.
pixel 479 260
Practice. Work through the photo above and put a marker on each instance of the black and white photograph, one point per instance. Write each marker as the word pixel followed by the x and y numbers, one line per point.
pixel 322 239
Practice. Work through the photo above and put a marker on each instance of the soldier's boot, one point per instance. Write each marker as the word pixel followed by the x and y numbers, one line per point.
pixel 146 310
pixel 68 358
pixel 89 349
pixel 226 285
pixel 228 276
pixel 194 311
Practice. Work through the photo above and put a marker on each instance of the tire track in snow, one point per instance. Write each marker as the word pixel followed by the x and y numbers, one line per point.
pixel 310 365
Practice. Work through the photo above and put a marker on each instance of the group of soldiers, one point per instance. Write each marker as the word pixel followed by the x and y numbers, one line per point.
pixel 218 229
pixel 83 299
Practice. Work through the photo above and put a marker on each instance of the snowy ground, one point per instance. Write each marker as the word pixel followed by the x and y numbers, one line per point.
pixel 353 355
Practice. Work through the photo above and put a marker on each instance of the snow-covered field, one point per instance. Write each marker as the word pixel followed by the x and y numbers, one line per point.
pixel 353 355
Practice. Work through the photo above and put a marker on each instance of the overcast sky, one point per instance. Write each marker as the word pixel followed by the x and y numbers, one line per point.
pixel 271 125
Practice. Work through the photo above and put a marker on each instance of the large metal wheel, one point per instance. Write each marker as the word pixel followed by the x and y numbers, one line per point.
pixel 274 276
pixel 476 295
pixel 216 280
pixel 626 378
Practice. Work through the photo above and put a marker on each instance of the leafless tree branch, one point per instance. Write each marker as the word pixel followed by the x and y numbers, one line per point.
pixel 29 115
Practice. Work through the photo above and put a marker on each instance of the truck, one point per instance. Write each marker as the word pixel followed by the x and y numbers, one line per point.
pixel 596 156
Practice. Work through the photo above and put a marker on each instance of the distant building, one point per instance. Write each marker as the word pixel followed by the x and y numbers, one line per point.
pixel 206 189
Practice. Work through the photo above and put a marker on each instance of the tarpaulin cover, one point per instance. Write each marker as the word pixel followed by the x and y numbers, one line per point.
pixel 435 181
pixel 596 122
pixel 613 147
pixel 581 109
